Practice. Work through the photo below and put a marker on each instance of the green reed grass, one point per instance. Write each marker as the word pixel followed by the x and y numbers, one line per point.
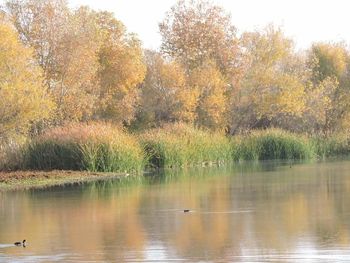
pixel 93 147
pixel 271 144
pixel 335 145
pixel 182 145
pixel 11 157
pixel 106 148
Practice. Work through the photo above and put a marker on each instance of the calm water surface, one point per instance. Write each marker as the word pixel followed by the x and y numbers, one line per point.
pixel 268 212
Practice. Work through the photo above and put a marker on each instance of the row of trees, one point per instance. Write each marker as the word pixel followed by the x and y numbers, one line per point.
pixel 84 64
pixel 59 65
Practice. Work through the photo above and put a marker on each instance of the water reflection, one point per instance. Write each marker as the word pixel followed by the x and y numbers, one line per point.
pixel 250 212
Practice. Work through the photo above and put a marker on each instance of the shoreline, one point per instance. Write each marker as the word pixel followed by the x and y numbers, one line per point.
pixel 25 180
pixel 38 179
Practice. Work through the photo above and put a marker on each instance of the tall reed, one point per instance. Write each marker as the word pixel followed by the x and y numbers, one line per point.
pixel 93 147
pixel 107 148
pixel 11 157
pixel 271 144
pixel 182 145
pixel 334 145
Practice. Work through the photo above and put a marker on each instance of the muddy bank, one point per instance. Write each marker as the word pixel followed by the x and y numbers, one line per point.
pixel 38 179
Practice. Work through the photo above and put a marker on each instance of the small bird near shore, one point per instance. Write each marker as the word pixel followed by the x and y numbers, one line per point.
pixel 186 210
pixel 23 243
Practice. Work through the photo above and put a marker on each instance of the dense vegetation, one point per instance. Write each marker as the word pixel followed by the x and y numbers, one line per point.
pixel 182 145
pixel 272 144
pixel 60 65
pixel 100 147
pixel 84 147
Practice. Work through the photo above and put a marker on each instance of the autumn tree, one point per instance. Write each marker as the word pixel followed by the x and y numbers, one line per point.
pixel 169 95
pixel 165 96
pixel 210 84
pixel 91 65
pixel 40 24
pixel 319 103
pixel 328 60
pixel 200 36
pixel 329 64
pixel 196 31
pixel 121 70
pixel 273 84
pixel 24 99
pixel 65 47
pixel 77 87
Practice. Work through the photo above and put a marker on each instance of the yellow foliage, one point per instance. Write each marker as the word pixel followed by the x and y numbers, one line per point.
pixel 272 85
pixel 279 94
pixel 186 101
pixel 212 101
pixel 320 100
pixel 94 69
pixel 76 87
pixel 91 65
pixel 65 45
pixel 121 70
pixel 330 67
pixel 165 92
pixel 330 60
pixel 23 99
pixel 196 31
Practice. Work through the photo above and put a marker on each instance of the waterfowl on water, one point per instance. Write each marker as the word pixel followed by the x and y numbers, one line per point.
pixel 23 243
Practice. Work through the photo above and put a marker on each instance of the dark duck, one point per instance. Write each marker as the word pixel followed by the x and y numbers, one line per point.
pixel 23 243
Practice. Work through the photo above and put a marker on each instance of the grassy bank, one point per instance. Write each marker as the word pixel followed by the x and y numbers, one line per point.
pixel 181 145
pixel 95 147
pixel 272 144
pixel 106 148
pixel 40 179
pixel 335 145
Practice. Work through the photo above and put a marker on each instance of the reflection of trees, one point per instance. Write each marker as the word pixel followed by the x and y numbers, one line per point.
pixel 259 208
pixel 82 220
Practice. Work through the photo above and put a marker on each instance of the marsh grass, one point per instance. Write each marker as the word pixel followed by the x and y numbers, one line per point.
pixel 335 145
pixel 11 157
pixel 92 147
pixel 271 144
pixel 178 145
pixel 101 147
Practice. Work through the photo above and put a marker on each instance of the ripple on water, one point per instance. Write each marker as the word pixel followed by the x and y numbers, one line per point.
pixel 36 258
pixel 206 212
pixel 6 245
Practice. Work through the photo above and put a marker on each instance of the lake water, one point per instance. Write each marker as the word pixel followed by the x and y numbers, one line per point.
pixel 267 212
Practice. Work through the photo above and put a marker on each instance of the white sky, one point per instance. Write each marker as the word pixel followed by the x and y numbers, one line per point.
pixel 305 21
